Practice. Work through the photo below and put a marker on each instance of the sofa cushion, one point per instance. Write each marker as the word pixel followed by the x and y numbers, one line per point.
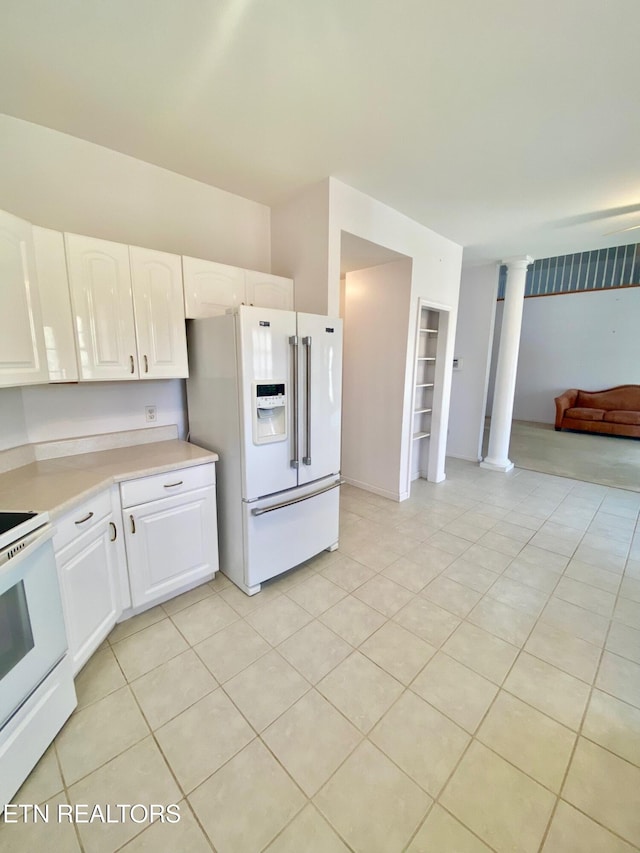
pixel 585 414
pixel 622 398
pixel 618 417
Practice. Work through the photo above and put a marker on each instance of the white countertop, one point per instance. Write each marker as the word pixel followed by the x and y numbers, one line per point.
pixel 57 485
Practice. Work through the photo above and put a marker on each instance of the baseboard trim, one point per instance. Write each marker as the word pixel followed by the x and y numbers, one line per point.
pixel 384 493
pixel 465 458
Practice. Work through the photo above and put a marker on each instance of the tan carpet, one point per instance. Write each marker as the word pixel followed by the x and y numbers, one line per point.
pixel 604 459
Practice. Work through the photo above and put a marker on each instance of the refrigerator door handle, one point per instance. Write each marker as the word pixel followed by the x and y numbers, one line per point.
pixel 263 510
pixel 307 344
pixel 293 341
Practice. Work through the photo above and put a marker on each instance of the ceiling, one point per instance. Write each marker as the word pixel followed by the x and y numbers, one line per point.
pixel 510 127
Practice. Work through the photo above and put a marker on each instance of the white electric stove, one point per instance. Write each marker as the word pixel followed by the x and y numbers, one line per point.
pixel 36 681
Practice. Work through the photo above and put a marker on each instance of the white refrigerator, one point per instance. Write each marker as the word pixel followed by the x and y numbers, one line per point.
pixel 264 391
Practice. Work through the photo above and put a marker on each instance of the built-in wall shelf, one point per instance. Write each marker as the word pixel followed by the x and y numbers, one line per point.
pixel 426 354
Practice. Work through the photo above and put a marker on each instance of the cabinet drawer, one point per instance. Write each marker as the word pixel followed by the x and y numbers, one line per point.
pixel 82 518
pixel 145 489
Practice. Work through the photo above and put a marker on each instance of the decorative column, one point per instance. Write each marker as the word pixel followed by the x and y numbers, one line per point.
pixel 505 384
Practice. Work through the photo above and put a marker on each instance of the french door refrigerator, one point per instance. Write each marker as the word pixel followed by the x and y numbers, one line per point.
pixel 264 391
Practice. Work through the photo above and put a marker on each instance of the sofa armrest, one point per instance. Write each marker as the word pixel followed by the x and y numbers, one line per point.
pixel 563 402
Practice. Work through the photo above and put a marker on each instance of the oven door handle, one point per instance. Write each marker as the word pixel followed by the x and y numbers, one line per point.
pixel 13 555
pixel 263 510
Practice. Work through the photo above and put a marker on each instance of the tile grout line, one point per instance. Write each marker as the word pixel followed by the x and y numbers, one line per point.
pixel 473 736
pixel 388 619
pixel 173 776
pixel 477 729
pixel 585 712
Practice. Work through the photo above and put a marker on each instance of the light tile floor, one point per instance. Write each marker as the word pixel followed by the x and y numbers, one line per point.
pixel 462 675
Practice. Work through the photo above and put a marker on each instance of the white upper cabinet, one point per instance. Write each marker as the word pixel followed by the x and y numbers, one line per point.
pixel 57 320
pixel 159 314
pixel 100 286
pixel 128 310
pixel 268 291
pixel 210 288
pixel 22 349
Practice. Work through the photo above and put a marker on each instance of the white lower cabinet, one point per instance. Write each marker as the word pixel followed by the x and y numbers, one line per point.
pixel 132 546
pixel 171 533
pixel 86 557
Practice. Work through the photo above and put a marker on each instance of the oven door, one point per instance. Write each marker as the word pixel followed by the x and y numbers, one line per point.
pixel 32 635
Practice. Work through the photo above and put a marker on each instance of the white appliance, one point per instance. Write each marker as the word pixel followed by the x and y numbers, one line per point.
pixel 264 391
pixel 36 680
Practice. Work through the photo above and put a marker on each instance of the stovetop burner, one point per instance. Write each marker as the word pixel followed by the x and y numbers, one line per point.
pixel 9 520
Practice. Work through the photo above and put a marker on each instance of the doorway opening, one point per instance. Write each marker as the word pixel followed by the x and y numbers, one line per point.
pixel 375 308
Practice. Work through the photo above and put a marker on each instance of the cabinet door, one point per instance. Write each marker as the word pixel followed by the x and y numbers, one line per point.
pixel 171 544
pixel 22 350
pixel 100 286
pixel 211 288
pixel 88 584
pixel 159 314
pixel 268 291
pixel 57 320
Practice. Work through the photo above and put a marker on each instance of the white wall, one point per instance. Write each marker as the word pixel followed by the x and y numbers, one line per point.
pixel 313 258
pixel 61 182
pixel 435 277
pixel 66 411
pixel 376 310
pixel 576 340
pixel 67 184
pixel 299 241
pixel 474 337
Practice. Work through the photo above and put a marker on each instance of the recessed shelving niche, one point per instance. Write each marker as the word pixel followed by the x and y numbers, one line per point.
pixel 425 387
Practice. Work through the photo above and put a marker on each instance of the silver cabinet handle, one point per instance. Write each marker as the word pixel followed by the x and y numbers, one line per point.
pixel 295 462
pixel 173 485
pixel 131 365
pixel 114 530
pixel 146 364
pixel 263 510
pixel 133 524
pixel 86 518
pixel 307 344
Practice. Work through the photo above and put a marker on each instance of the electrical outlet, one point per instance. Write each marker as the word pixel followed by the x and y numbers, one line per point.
pixel 151 413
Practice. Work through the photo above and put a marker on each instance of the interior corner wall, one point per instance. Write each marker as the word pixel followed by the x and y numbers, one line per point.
pixel 299 247
pixel 13 426
pixel 435 277
pixel 376 310
pixel 473 346
pixel 585 340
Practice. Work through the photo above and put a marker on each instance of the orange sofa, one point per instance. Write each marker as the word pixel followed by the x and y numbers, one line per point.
pixel 614 411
